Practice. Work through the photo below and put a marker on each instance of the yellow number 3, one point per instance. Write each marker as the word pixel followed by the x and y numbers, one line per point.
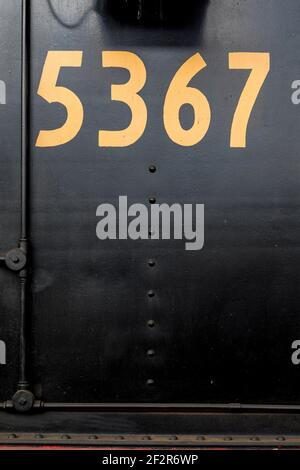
pixel 126 93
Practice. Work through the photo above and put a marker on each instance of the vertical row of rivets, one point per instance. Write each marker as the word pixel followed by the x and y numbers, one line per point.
pixel 151 293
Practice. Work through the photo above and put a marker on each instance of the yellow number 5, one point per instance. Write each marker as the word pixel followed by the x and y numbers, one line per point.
pixel 259 63
pixel 56 94
pixel 126 93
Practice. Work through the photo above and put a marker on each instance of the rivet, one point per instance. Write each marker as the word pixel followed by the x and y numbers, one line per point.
pixel 12 436
pixel 151 323
pixel 228 438
pixel 151 263
pixel 65 436
pixel 152 168
pixel 200 438
pixel 39 436
pixel 151 353
pixel 173 438
pixel 280 438
pixel 151 293
pixel 152 200
pixel 146 438
pixel 93 438
pixel 150 382
pixel 254 438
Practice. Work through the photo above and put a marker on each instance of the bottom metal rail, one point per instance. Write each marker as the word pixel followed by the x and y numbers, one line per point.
pixel 159 407
pixel 149 440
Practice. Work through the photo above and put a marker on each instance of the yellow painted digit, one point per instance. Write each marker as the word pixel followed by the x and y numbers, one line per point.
pixel 259 63
pixel 57 94
pixel 180 94
pixel 126 93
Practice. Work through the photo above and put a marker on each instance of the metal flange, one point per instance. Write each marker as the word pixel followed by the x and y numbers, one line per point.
pixel 16 259
pixel 23 401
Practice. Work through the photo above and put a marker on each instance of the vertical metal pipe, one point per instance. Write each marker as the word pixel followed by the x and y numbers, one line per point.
pixel 25 117
pixel 25 153
pixel 161 10
pixel 23 383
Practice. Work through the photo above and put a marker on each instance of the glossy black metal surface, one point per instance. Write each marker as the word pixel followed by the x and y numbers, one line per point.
pixel 146 321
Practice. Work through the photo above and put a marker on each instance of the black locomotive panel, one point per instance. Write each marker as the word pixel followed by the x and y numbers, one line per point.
pixel 148 321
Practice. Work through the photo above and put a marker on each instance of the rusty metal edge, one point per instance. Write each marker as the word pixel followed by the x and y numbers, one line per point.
pixel 149 441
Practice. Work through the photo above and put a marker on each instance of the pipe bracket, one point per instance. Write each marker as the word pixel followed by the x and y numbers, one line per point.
pixel 15 259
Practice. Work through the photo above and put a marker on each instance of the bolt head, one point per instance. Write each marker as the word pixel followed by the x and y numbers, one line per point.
pixel 150 382
pixel 152 168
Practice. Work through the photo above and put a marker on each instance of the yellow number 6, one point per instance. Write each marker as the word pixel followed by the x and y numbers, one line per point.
pixel 179 94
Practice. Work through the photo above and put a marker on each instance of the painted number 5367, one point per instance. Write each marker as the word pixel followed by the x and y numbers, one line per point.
pixel 179 93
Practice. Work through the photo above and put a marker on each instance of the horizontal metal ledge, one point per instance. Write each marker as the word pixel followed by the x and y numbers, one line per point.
pixel 148 440
pixel 160 407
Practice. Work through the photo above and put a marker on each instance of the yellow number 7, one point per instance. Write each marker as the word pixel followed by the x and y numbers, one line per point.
pixel 259 63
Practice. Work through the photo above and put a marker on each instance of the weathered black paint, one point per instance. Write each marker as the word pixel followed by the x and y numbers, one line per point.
pixel 225 317
pixel 10 188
